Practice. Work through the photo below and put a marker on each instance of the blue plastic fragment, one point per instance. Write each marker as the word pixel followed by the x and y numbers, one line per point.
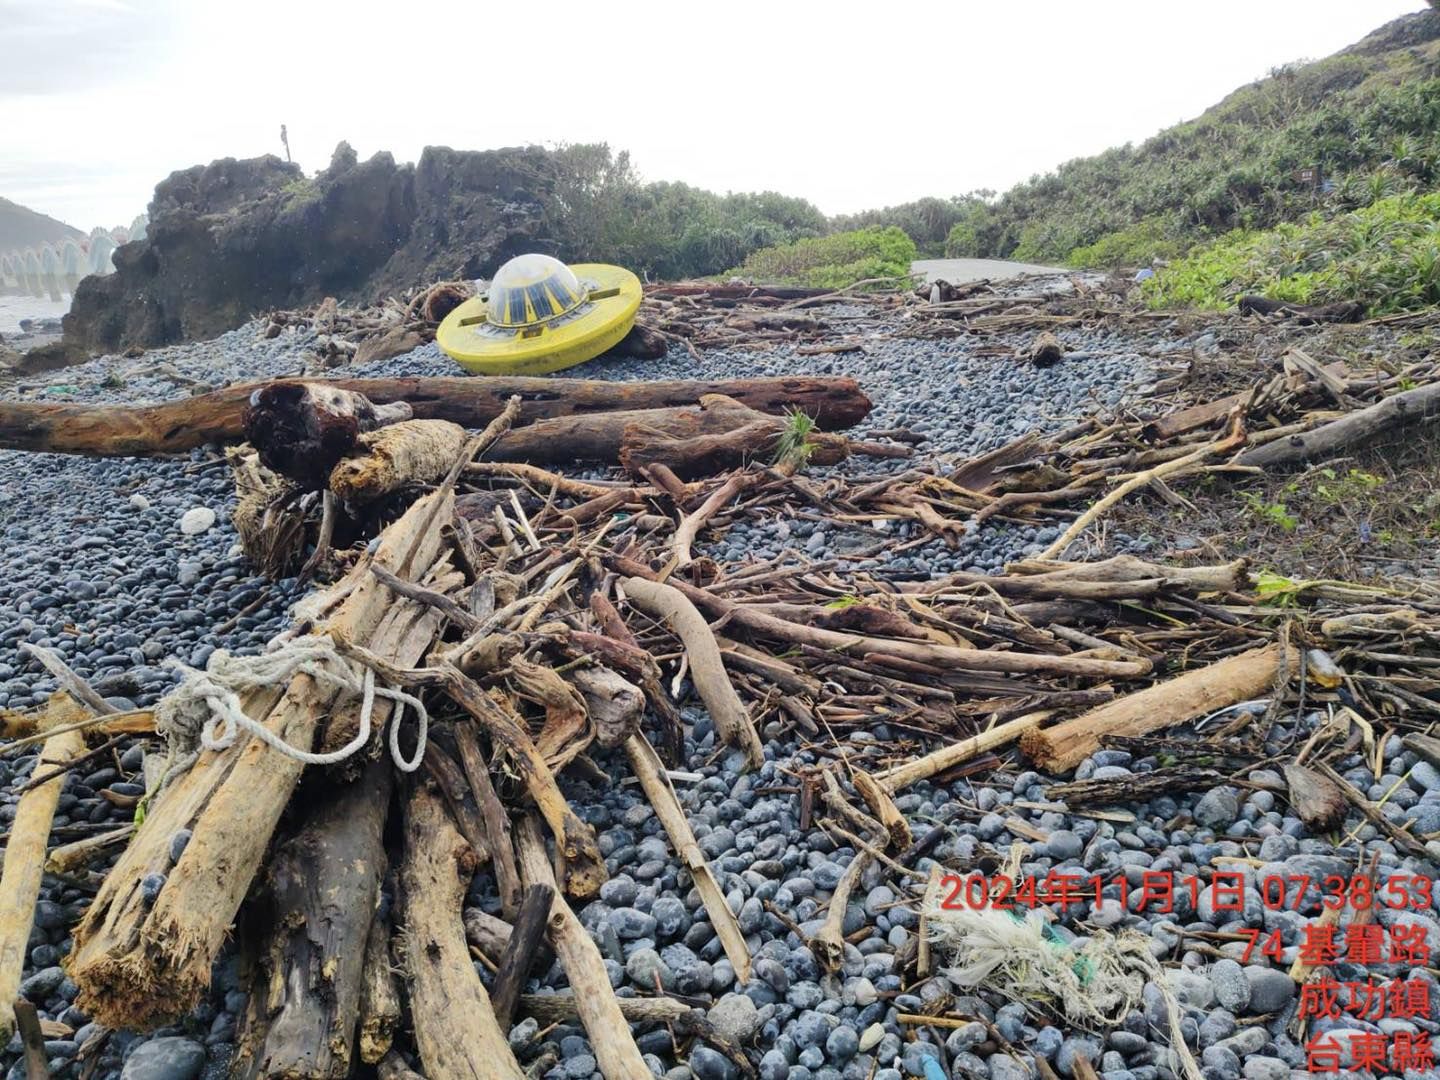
pixel 933 1069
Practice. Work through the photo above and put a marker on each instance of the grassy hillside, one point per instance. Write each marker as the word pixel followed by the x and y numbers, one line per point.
pixel 1368 117
pixel 22 228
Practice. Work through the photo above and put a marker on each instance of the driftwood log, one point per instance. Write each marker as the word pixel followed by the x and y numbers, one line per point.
pixel 24 863
pixel 177 426
pixel 1227 682
pixel 1421 405
pixel 324 886
pixel 1345 312
pixel 455 1026
pixel 301 430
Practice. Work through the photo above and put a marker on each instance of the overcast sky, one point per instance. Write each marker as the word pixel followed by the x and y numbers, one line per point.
pixel 849 105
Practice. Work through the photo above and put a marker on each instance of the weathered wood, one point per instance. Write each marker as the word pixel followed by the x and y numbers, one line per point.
pixel 384 461
pixel 610 1037
pixel 770 626
pixel 707 669
pixel 32 1038
pixel 24 867
pixel 1344 312
pixel 176 426
pixel 521 951
pixel 301 429
pixel 559 1008
pixel 884 809
pixel 324 885
pixel 666 804
pixel 828 943
pixel 1421 405
pixel 615 704
pixel 139 963
pixel 380 1007
pixel 497 820
pixel 487 933
pixel 1227 682
pixel 455 1026
pixel 902 776
pixel 1314 798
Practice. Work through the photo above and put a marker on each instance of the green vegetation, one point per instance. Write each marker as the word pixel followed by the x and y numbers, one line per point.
pixel 1368 118
pixel 833 262
pixel 668 231
pixel 794 447
pixel 1386 256
pixel 932 223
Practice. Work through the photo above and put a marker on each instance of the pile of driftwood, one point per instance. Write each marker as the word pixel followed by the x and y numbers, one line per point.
pixel 550 623
pixel 694 314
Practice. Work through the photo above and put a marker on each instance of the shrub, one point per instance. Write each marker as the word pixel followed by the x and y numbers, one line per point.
pixel 1137 245
pixel 833 262
pixel 1386 256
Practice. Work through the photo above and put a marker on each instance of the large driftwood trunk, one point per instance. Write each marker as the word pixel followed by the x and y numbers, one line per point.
pixel 139 963
pixel 324 886
pixel 177 426
pixel 455 1027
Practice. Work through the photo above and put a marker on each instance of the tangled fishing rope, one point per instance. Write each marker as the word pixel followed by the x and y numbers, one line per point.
pixel 1016 956
pixel 204 712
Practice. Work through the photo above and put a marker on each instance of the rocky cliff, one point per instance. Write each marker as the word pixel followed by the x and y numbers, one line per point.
pixel 233 238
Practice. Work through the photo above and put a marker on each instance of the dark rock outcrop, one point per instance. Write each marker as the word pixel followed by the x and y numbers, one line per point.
pixel 233 238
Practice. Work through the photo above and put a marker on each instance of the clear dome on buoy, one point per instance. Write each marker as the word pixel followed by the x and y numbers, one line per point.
pixel 532 289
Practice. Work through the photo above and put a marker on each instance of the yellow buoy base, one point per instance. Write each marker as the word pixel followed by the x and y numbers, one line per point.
pixel 538 348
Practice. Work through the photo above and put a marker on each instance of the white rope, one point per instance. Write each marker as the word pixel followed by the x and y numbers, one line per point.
pixel 204 711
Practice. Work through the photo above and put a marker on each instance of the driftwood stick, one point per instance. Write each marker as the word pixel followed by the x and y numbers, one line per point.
pixel 487 933
pixel 884 809
pixel 949 656
pixel 912 772
pixel 828 944
pixel 521 951
pixel 1421 405
pixel 24 868
pixel 497 820
pixel 72 683
pixel 584 865
pixel 610 1037
pixel 32 1038
pixel 690 526
pixel 68 858
pixel 666 804
pixel 732 721
pixel 1139 480
pixel 1227 682
pixel 455 1026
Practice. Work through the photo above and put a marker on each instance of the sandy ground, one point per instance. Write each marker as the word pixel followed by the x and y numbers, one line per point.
pixel 956 271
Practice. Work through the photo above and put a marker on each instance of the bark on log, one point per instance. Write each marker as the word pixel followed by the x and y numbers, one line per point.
pixel 139 963
pixel 487 933
pixel 301 429
pixel 666 804
pixel 24 867
pixel 176 426
pixel 455 1026
pixel 384 461
pixel 1185 697
pixel 610 1037
pixel 1421 405
pixel 707 669
pixel 324 884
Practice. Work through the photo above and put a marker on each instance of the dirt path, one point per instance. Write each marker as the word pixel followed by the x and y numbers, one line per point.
pixel 956 271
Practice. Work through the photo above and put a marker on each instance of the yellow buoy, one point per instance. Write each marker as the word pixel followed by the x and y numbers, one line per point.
pixel 539 315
